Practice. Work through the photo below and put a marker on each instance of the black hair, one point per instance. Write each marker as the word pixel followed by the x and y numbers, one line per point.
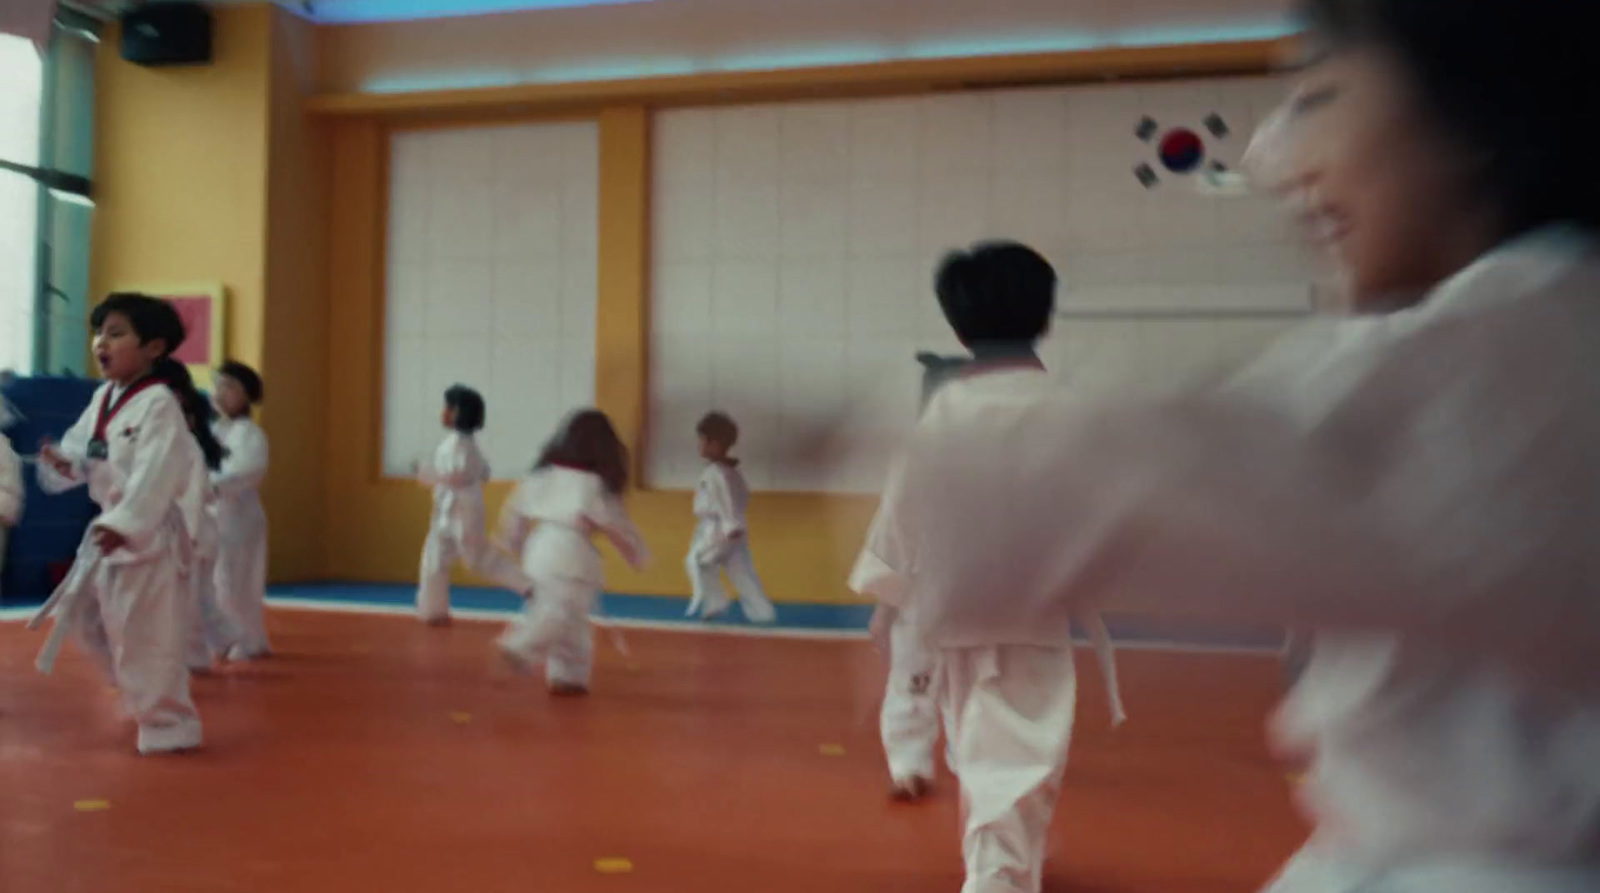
pixel 152 318
pixel 587 440
pixel 197 410
pixel 718 427
pixel 996 292
pixel 468 405
pixel 1505 78
pixel 247 378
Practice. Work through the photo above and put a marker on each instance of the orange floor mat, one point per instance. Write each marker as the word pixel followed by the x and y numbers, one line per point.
pixel 377 755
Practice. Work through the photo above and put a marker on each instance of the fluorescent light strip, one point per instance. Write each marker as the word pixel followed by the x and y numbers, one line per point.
pixel 351 12
pixel 783 59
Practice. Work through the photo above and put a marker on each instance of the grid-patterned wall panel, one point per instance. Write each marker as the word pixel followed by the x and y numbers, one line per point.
pixel 492 268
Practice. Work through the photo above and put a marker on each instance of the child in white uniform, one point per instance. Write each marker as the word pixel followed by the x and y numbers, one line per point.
pixel 909 719
pixel 457 474
pixel 126 597
pixel 1007 696
pixel 240 576
pixel 574 492
pixel 1416 486
pixel 721 542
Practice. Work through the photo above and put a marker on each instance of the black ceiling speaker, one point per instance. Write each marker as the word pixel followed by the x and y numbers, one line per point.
pixel 174 33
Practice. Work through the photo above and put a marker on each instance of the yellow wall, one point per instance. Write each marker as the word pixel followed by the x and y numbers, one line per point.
pixel 295 342
pixel 212 174
pixel 804 542
pixel 180 173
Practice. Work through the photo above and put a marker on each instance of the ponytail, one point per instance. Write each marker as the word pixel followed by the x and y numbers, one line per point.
pixel 196 408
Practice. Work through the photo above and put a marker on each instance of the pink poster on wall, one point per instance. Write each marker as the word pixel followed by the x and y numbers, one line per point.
pixel 203 309
pixel 196 312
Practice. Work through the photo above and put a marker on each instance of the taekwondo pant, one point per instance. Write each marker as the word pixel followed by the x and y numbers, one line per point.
pixel 240 587
pixel 909 722
pixel 461 542
pixel 711 599
pixel 210 634
pixel 1008 712
pixel 555 629
pixel 134 628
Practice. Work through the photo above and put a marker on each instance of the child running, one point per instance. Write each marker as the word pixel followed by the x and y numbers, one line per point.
pixel 457 474
pixel 573 493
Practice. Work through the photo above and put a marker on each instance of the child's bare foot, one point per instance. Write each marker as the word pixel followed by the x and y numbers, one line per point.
pixel 516 660
pixel 910 790
pixel 568 689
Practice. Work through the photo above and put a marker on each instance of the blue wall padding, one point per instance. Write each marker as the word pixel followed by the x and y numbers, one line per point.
pixel 51 526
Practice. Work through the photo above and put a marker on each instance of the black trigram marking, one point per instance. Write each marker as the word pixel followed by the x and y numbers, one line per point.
pixel 1146 130
pixel 1147 176
pixel 1217 126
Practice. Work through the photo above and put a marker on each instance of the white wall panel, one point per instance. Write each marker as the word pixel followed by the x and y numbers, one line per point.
pixel 796 245
pixel 492 276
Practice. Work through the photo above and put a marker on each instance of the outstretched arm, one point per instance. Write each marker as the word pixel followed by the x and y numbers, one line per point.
pixel 1428 501
pixel 610 517
pixel 244 467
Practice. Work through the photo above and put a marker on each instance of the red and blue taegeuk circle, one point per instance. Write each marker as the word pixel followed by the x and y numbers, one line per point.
pixel 1181 150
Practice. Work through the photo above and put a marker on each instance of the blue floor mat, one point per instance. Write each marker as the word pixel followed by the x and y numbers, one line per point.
pixel 799 617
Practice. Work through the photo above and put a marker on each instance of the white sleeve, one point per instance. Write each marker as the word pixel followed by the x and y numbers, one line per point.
pixel 729 525
pixel 1451 496
pixel 456 470
pixel 245 466
pixel 74 447
pixel 515 526
pixel 883 568
pixel 609 516
pixel 10 484
pixel 162 467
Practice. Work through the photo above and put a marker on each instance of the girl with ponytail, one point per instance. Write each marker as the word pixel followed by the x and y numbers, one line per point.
pixel 211 633
pixel 146 468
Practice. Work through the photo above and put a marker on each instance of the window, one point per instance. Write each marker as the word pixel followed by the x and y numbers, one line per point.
pixel 20 71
